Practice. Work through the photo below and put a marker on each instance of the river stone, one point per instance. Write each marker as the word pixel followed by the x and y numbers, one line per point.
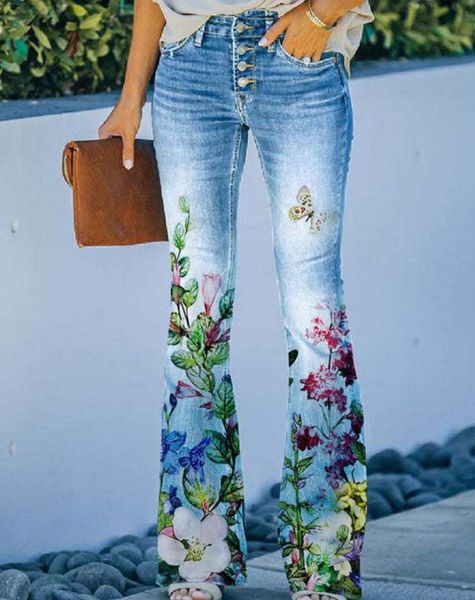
pixel 378 506
pixel 65 595
pixel 257 528
pixel 464 439
pixel 125 539
pixel 151 553
pixel 95 574
pixel 152 530
pixel 431 455
pixel 14 584
pixel 422 499
pixel 137 589
pixel 22 566
pixel 79 588
pixel 147 542
pixel 49 579
pixel 59 563
pixel 45 592
pixel 47 558
pixel 128 550
pixel 33 575
pixel 386 461
pixel 107 592
pixel 81 558
pixel 125 566
pixel 408 484
pixel 147 572
pixel 463 469
pixel 274 491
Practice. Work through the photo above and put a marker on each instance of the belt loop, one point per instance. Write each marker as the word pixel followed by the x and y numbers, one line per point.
pixel 199 35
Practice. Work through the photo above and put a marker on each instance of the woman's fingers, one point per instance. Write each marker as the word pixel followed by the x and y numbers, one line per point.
pixel 128 139
pixel 273 32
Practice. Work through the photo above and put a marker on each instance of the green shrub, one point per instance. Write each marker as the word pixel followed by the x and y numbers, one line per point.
pixel 56 47
pixel 421 28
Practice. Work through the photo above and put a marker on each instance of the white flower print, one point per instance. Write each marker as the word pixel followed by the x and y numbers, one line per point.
pixel 198 547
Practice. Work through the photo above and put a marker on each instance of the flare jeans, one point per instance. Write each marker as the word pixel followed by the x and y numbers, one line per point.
pixel 211 89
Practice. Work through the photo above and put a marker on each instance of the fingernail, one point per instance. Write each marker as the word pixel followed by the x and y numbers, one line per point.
pixel 128 164
pixel 263 41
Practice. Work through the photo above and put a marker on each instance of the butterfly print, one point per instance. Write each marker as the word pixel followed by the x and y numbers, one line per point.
pixel 306 209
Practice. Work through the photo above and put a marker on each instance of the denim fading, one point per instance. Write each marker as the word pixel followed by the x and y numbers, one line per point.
pixel 211 89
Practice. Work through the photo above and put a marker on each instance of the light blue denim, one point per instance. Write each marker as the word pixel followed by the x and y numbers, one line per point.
pixel 211 89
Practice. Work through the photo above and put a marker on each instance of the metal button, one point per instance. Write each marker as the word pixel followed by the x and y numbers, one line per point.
pixel 242 81
pixel 242 65
pixel 240 27
pixel 242 50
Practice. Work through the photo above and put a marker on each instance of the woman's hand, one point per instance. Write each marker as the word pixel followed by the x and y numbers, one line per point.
pixel 124 121
pixel 302 37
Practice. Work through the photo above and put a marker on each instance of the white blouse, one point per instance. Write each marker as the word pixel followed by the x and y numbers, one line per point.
pixel 184 17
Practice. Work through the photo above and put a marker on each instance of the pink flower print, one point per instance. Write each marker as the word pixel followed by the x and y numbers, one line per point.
pixel 176 274
pixel 295 556
pixel 345 364
pixel 185 390
pixel 319 384
pixel 306 438
pixel 209 288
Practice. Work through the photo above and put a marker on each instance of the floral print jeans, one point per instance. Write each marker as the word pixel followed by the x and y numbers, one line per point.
pixel 211 88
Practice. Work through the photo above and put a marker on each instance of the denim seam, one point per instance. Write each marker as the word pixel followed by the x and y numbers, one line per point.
pixel 231 216
pixel 344 159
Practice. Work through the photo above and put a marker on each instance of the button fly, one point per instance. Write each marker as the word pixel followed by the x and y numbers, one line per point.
pixel 240 27
pixel 242 81
pixel 242 65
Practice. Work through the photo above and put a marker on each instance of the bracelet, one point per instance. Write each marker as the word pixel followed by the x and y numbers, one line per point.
pixel 315 20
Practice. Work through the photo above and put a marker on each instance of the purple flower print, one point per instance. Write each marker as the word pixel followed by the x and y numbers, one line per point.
pixel 209 288
pixel 172 443
pixel 195 458
pixel 173 501
pixel 344 363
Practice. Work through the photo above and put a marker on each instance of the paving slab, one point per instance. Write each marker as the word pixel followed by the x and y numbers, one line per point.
pixel 426 553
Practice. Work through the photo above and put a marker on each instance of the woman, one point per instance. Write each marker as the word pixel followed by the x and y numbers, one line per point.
pixel 278 68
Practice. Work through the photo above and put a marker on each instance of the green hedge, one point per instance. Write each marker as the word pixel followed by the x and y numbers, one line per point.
pixel 57 47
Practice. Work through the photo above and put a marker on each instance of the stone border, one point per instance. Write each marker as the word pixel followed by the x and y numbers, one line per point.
pixel 24 109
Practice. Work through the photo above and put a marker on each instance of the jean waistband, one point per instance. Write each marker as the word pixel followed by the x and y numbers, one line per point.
pixel 248 25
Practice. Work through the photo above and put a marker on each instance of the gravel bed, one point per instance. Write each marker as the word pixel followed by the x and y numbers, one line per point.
pixel 127 565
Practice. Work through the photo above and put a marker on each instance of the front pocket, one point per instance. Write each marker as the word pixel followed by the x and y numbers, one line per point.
pixel 318 64
pixel 173 47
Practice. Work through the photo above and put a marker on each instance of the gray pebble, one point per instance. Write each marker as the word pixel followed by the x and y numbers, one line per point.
pixel 81 558
pixel 378 506
pixel 463 439
pixel 128 550
pixel 46 558
pixel 409 484
pixel 95 574
pixel 14 585
pixel 45 592
pixel 33 575
pixel 431 455
pixel 274 491
pixel 152 530
pixel 391 492
pixel 125 539
pixel 463 469
pixel 79 588
pixel 147 542
pixel 125 566
pixel 422 499
pixel 65 595
pixel 147 572
pixel 137 590
pixel 107 592
pixel 49 579
pixel 59 563
pixel 22 566
pixel 258 528
pixel 151 553
pixel 386 461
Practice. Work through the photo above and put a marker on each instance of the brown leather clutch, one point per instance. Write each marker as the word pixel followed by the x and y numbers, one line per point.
pixel 114 206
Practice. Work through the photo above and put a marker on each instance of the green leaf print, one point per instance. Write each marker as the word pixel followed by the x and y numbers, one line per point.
pixel 183 203
pixel 226 305
pixel 177 293
pixel 224 405
pixel 191 293
pixel 175 329
pixel 196 494
pixel 359 451
pixel 196 337
pixel 184 264
pixel 202 379
pixel 293 356
pixel 232 488
pixel 218 355
pixel 218 451
pixel 183 359
pixel 179 236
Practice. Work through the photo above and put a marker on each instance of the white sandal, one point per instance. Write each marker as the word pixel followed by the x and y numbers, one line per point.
pixel 211 588
pixel 316 595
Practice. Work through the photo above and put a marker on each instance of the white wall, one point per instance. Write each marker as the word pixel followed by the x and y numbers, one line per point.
pixel 83 331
